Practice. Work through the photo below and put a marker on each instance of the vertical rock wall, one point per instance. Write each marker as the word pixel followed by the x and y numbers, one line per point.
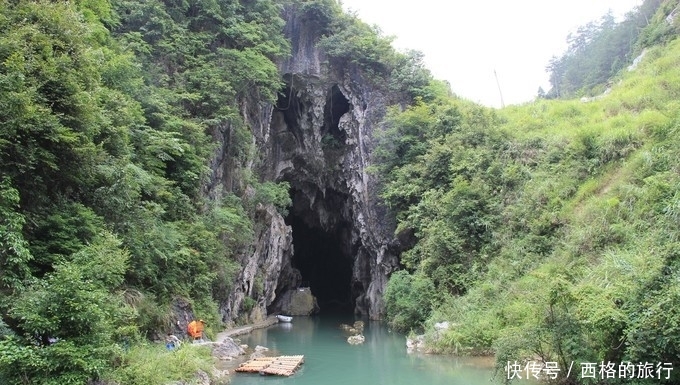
pixel 319 138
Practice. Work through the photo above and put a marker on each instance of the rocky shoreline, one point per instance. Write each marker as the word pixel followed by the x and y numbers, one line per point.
pixel 225 351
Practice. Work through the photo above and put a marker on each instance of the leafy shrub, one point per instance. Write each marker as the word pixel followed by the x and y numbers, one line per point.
pixel 248 304
pixel 408 300
pixel 14 252
pixel 354 41
pixel 276 194
pixel 319 14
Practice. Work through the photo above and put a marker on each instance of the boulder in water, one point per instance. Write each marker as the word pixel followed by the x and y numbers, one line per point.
pixel 355 329
pixel 417 344
pixel 299 302
pixel 227 349
pixel 356 339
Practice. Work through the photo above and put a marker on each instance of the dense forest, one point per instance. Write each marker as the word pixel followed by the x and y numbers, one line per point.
pixel 547 230
pixel 107 114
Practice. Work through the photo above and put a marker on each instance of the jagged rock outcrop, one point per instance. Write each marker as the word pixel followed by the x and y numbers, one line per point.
pixel 318 138
pixel 355 329
pixel 181 313
pixel 267 264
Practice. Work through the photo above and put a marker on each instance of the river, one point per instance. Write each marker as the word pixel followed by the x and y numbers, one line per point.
pixel 381 359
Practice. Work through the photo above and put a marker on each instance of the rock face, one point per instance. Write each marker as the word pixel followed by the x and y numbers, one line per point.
pixel 298 302
pixel 268 263
pixel 181 314
pixel 319 138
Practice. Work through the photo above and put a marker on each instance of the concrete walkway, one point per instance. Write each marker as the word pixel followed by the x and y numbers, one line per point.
pixel 241 330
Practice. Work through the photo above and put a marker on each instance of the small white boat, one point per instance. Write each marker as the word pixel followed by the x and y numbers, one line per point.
pixel 284 318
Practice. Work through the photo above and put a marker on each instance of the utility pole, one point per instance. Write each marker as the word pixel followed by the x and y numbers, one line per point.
pixel 499 88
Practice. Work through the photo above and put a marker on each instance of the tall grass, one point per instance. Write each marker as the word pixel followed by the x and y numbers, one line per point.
pixel 149 364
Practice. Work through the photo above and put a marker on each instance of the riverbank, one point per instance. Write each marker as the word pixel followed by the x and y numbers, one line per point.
pixel 228 353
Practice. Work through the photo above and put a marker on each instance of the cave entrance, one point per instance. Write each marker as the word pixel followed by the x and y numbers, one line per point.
pixel 336 106
pixel 323 256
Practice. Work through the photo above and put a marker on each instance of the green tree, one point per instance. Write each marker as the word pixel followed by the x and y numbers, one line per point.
pixel 598 50
pixel 15 255
pixel 68 323
pixel 355 42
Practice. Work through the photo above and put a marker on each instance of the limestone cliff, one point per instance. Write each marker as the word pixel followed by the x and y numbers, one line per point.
pixel 318 137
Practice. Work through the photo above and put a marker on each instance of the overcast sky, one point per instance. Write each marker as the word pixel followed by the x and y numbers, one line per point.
pixel 464 41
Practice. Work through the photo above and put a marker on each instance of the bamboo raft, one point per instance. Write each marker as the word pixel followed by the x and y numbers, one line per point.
pixel 280 366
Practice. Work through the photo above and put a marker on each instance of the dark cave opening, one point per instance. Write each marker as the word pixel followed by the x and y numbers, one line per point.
pixel 324 264
pixel 336 106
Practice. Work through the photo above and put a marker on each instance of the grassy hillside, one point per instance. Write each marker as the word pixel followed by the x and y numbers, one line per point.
pixel 600 198
pixel 547 231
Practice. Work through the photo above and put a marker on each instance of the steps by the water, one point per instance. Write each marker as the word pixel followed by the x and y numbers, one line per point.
pixel 280 366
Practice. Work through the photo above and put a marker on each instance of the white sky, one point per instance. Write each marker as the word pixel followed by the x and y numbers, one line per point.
pixel 464 41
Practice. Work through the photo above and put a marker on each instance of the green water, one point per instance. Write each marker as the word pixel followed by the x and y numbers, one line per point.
pixel 381 359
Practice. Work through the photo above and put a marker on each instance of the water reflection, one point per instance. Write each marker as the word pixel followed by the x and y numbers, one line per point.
pixel 382 359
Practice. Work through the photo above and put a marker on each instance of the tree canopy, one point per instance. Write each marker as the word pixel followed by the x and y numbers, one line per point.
pixel 107 113
pixel 600 49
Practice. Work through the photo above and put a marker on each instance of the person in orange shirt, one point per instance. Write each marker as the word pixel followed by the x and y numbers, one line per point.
pixel 195 329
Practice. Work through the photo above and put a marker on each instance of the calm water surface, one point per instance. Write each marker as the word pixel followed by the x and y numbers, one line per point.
pixel 382 359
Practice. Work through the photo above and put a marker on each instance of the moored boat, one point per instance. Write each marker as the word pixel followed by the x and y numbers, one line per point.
pixel 284 318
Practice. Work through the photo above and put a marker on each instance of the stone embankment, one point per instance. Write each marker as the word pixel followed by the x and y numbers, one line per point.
pixel 241 330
